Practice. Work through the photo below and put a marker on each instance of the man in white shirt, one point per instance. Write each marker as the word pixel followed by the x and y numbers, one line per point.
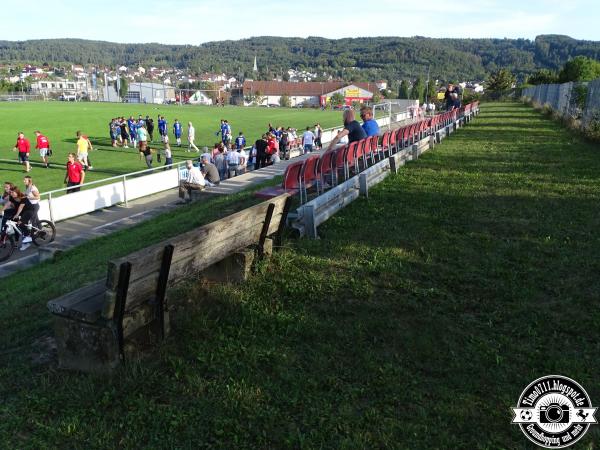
pixel 308 139
pixel 191 138
pixel 243 161
pixel 193 182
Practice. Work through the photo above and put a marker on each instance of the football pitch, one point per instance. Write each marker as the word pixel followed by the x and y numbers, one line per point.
pixel 59 121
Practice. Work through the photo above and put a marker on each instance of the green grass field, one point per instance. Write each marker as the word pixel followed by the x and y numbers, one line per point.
pixel 413 323
pixel 60 120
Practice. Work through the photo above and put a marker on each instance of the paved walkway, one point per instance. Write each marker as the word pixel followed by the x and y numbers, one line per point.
pixel 72 232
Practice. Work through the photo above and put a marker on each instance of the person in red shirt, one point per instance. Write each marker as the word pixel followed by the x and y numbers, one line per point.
pixel 23 147
pixel 75 174
pixel 43 145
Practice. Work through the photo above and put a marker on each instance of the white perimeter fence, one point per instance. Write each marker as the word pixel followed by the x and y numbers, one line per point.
pixel 108 192
pixel 580 101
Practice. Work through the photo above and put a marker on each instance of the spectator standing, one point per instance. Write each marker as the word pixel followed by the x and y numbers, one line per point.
pixel 124 133
pixel 177 132
pixel 168 155
pixel 148 156
pixel 261 152
pixel 233 163
pixel 243 160
pixel 23 147
pixel 150 128
pixel 193 182
pixel 84 146
pixel 221 161
pixel 448 97
pixel 75 174
pixel 318 135
pixel 283 144
pixel 191 138
pixel 370 125
pixel 308 140
pixel 33 195
pixel 7 206
pixel 43 145
pixel 142 135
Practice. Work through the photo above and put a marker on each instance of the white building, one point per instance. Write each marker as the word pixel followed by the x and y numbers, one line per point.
pixel 48 88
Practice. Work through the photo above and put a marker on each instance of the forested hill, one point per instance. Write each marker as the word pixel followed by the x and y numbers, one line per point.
pixel 359 58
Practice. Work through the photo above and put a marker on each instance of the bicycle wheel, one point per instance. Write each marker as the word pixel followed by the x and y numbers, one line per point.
pixel 7 247
pixel 45 234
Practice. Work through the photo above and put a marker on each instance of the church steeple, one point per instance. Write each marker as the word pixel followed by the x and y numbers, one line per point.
pixel 255 68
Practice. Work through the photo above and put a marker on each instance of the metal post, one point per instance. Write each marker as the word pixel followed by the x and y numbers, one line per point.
pixel 124 190
pixel 50 206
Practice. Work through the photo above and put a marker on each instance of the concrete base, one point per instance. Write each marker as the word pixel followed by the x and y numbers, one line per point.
pixel 85 347
pixel 235 268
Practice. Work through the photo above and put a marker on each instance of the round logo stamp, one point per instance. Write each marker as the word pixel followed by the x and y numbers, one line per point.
pixel 554 412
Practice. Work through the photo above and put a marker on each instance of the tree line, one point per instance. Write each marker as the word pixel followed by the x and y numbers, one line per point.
pixel 351 59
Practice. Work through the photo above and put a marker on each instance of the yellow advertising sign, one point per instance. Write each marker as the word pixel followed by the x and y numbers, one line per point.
pixel 352 92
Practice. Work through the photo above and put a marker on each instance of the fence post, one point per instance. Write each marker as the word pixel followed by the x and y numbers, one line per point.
pixel 124 190
pixel 50 206
pixel 309 221
pixel 363 187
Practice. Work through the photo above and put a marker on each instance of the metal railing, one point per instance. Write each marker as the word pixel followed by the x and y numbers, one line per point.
pixel 121 195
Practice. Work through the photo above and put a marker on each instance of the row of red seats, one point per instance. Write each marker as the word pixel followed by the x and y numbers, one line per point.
pixel 325 170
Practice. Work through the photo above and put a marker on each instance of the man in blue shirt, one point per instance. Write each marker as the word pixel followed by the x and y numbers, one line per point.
pixel 240 141
pixel 132 125
pixel 177 132
pixel 369 124
pixel 225 133
pixel 162 127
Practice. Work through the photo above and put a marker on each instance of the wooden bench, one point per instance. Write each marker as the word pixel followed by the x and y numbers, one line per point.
pixel 100 325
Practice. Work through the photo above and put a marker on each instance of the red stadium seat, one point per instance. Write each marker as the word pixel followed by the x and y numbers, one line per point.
pixel 290 184
pixel 309 176
pixel 326 168
pixel 340 162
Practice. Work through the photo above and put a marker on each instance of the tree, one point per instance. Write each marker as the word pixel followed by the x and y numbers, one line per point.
pixel 543 76
pixel 403 90
pixel 580 68
pixel 430 91
pixel 338 99
pixel 376 97
pixel 124 88
pixel 501 80
pixel 418 90
pixel 284 101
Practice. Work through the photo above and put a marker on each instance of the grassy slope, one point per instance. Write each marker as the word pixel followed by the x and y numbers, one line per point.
pixel 60 120
pixel 415 322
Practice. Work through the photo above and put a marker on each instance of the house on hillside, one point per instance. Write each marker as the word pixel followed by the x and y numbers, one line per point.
pixel 305 94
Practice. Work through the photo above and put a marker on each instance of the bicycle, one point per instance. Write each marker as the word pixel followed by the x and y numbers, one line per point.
pixel 41 235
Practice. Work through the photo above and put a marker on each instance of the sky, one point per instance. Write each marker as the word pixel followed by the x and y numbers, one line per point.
pixel 194 22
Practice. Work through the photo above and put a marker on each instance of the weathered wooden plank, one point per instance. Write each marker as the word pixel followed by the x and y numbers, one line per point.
pixel 193 255
pixel 149 259
pixel 188 259
pixel 75 303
